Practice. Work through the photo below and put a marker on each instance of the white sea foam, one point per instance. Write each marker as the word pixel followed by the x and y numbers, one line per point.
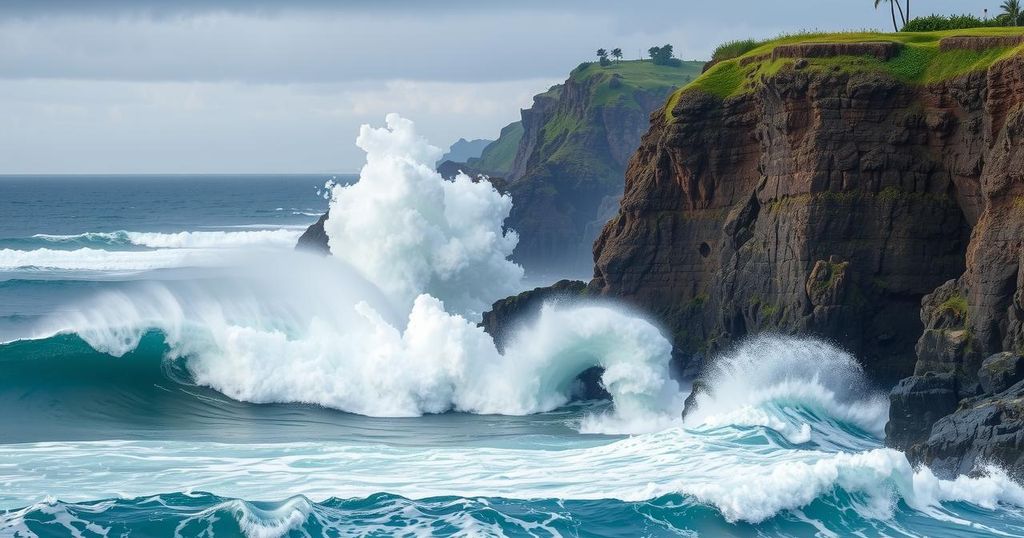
pixel 171 250
pixel 744 485
pixel 266 339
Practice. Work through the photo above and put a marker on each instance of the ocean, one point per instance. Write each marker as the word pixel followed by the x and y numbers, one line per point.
pixel 170 366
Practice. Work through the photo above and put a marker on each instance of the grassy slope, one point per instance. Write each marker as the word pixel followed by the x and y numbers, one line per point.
pixel 566 135
pixel 497 157
pixel 634 76
pixel 919 61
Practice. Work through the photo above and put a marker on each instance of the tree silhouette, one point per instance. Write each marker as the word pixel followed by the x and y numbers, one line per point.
pixel 662 55
pixel 617 53
pixel 601 53
pixel 893 6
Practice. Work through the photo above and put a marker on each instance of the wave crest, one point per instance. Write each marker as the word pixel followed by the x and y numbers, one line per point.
pixel 802 388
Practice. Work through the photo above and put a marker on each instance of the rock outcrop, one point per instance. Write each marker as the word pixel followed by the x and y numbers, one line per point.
pixel 934 420
pixel 506 314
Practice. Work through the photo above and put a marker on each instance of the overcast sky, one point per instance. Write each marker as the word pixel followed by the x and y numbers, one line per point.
pixel 155 86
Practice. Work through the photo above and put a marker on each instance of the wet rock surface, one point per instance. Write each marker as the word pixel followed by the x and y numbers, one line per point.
pixel 506 314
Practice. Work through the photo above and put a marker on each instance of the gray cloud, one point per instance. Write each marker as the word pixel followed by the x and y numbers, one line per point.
pixel 254 85
pixel 323 41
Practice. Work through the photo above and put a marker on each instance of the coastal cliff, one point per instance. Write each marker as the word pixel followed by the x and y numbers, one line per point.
pixel 571 149
pixel 866 189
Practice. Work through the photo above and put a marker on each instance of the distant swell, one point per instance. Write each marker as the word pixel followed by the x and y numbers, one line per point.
pixel 134 251
pixel 186 239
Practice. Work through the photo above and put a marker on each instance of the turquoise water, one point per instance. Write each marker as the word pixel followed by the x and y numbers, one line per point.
pixel 122 300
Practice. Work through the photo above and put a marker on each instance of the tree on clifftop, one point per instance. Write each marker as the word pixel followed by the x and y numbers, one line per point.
pixel 617 53
pixel 662 55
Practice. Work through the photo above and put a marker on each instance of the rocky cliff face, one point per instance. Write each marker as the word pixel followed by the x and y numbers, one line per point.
pixel 825 195
pixel 822 203
pixel 577 140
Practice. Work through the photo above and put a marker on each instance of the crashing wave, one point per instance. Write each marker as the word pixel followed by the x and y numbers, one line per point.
pixel 802 388
pixel 383 327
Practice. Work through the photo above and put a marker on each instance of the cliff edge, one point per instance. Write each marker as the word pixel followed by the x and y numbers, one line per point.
pixel 864 188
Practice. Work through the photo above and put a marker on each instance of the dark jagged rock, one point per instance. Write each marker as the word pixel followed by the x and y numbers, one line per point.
pixel 314 239
pixel 1001 371
pixel 984 430
pixel 980 428
pixel 916 404
pixel 450 169
pixel 504 316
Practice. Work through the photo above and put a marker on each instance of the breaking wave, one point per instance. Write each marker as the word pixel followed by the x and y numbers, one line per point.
pixel 805 389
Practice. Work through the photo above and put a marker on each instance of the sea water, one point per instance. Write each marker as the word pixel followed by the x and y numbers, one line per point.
pixel 171 366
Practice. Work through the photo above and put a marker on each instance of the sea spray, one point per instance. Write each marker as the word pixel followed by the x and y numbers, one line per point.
pixel 409 231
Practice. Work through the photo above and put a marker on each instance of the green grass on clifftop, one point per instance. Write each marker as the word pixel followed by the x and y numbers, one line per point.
pixel 498 156
pixel 919 60
pixel 634 75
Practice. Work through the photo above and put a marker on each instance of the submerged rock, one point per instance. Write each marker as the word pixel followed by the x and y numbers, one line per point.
pixel 314 239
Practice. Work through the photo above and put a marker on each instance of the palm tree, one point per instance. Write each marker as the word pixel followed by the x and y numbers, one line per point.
pixel 1012 9
pixel 893 6
pixel 601 53
pixel 617 53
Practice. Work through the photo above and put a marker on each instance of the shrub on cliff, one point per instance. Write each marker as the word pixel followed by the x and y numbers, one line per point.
pixel 935 23
pixel 733 49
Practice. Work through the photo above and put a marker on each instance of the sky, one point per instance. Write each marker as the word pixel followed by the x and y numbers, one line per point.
pixel 236 86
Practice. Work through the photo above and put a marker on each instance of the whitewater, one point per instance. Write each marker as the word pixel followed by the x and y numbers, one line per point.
pixel 197 375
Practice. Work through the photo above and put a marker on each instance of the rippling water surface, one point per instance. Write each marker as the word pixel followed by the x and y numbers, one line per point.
pixel 169 367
